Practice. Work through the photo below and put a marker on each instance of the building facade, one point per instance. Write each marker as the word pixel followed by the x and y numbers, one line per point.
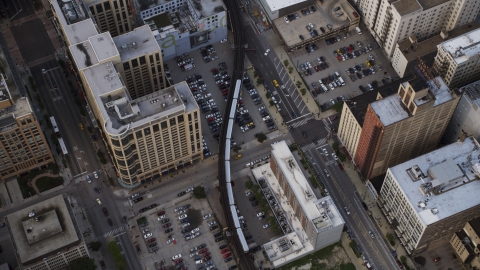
pixel 458 59
pixel 404 126
pixel 466 243
pixel 23 146
pixel 466 118
pixel 309 223
pixel 114 16
pixel 394 21
pixel 429 198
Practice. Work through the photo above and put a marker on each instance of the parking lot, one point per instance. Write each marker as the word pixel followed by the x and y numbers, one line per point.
pixel 336 59
pixel 183 235
pixel 211 81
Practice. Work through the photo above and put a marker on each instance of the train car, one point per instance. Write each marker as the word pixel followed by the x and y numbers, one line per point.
pixel 241 236
pixel 229 129
pixel 236 221
pixel 227 170
pixel 54 124
pixel 231 199
pixel 238 86
pixel 227 148
pixel 234 105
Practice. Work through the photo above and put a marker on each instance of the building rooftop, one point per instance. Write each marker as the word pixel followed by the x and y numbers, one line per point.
pixel 147 4
pixel 358 105
pixel 49 231
pixel 432 193
pixel 95 49
pixel 428 4
pixel 412 51
pixel 207 8
pixel 390 110
pixel 9 113
pixel 136 43
pixel 463 47
pixel 418 84
pixel 279 4
pixel 121 113
pixel 405 7
pixel 76 24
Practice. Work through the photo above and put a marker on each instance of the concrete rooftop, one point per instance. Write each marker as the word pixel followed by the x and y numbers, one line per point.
pixel 136 43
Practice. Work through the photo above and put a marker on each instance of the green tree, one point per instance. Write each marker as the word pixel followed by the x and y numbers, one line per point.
pixel 285 62
pixel 199 192
pixel 268 95
pixel 290 69
pixel 338 106
pixel 117 256
pixel 303 91
pixel 82 264
pixel 259 80
pixel 298 84
pixel 236 148
pixel 249 184
pixel 95 245
pixel 262 137
pixel 271 103
pixel 391 239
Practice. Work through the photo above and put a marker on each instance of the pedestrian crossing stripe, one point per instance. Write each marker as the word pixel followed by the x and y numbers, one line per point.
pixel 313 145
pixel 119 229
pixel 302 122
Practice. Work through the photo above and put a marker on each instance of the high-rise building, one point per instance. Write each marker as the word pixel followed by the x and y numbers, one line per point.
pixel 430 197
pixel 23 146
pixel 466 118
pixel 46 235
pixel 466 243
pixel 403 126
pixel 141 64
pixel 114 16
pixel 394 21
pixel 308 223
pixel 458 59
pixel 407 52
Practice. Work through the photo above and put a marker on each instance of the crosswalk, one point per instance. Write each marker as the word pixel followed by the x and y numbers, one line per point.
pixel 302 122
pixel 313 145
pixel 117 230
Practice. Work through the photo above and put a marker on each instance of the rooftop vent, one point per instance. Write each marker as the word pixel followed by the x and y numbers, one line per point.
pixel 164 105
pixel 434 211
pixel 422 205
pixel 124 46
pixel 416 171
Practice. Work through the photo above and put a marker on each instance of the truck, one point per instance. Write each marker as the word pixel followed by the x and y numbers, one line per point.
pixel 358 30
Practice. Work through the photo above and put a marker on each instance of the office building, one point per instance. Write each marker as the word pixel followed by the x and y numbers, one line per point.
pixel 406 54
pixel 466 244
pixel 46 236
pixel 458 59
pixel 354 110
pixel 113 16
pixel 152 8
pixel 141 64
pixel 430 197
pixel 466 118
pixel 23 146
pixel 308 223
pixel 186 25
pixel 403 126
pixel 394 21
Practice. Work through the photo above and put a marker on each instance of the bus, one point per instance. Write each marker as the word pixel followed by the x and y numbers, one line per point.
pixel 62 145
pixel 54 124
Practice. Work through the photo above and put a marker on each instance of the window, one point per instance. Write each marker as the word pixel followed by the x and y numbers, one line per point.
pixel 142 60
pixel 139 134
pixel 107 5
pixel 99 8
pixel 134 63
pixel 126 66
pixel 164 125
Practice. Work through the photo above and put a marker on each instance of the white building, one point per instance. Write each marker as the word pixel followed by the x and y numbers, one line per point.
pixel 394 21
pixel 458 59
pixel 310 223
pixel 430 197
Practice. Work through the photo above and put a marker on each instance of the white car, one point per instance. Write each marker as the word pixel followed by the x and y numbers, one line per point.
pixel 181 212
pixel 223 40
pixel 195 230
pixel 178 209
pixel 89 180
pixel 325 152
pixel 267 51
pixel 334 156
pixel 182 217
pixel 208 116
pixel 178 256
pixel 193 254
pixel 161 217
pixel 286 19
pixel 135 195
pixel 266 226
pixel 248 193
pixel 207 216
pixel 99 202
pixel 262 108
pixel 185 225
pixel 170 240
pixel 189 190
pixel 95 174
pixel 212 223
pixel 148 235
pixel 346 210
pixel 260 214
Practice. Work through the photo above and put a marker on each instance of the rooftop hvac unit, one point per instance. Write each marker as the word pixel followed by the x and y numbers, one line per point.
pixel 164 105
pixel 110 105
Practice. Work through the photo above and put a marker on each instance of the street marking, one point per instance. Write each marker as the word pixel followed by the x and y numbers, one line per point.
pixel 119 229
pixel 298 118
pixel 302 122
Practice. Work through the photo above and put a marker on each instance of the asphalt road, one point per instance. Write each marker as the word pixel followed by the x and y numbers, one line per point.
pixel 344 194
pixel 271 68
pixel 30 36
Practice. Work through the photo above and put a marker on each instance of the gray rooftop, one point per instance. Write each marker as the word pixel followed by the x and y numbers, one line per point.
pixel 96 49
pixel 207 8
pixel 464 47
pixel 446 196
pixel 72 15
pixel 405 7
pixel 428 4
pixel 35 240
pixel 136 43
pixel 21 106
pixel 390 110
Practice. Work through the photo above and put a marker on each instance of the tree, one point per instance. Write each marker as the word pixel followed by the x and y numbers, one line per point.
pixel 290 69
pixel 236 148
pixel 262 137
pixel 391 239
pixel 199 192
pixel 95 245
pixel 285 63
pixel 298 84
pixel 268 95
pixel 420 260
pixel 82 264
pixel 271 103
pixel 303 91
pixel 338 106
pixel 249 184
pixel 259 81
pixel 117 256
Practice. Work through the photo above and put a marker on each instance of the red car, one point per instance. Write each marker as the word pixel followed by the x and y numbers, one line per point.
pixel 205 254
pixel 161 213
pixel 227 255
pixel 151 240
pixel 224 251
pixel 213 69
pixel 436 259
pixel 167 225
pixel 210 119
pixel 203 251
pixel 178 261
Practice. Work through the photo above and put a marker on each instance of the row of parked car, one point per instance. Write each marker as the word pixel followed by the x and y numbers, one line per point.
pixel 278 212
pixel 208 53
pixel 320 65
